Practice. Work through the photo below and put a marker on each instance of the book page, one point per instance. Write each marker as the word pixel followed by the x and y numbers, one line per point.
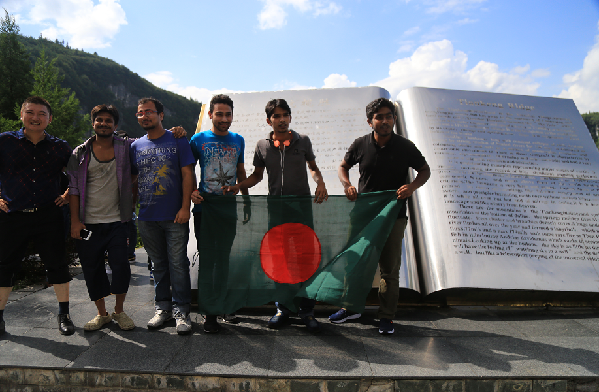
pixel 513 200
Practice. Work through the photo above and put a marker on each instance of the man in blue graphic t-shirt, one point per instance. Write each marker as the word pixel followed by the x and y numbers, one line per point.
pixel 220 154
pixel 165 182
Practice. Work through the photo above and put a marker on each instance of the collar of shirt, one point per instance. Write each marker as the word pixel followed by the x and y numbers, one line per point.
pixel 390 142
pixel 21 135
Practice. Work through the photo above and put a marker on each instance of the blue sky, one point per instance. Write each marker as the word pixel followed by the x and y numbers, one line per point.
pixel 199 48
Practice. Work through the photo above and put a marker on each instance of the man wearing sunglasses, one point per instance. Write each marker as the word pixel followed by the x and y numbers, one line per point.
pixel 165 182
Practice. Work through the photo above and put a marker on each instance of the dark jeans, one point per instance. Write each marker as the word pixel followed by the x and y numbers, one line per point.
pixel 390 261
pixel 45 228
pixel 166 244
pixel 111 237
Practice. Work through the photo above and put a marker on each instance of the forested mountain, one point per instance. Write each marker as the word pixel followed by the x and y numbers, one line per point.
pixel 96 80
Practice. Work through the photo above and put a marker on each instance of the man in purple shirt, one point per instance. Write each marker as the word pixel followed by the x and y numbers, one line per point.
pixel 31 162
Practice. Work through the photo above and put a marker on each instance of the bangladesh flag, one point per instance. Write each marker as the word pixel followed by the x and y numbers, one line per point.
pixel 258 249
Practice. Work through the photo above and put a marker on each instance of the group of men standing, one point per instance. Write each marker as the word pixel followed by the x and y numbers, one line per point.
pixel 109 174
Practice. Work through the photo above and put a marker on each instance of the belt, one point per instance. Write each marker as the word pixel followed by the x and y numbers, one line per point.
pixel 36 209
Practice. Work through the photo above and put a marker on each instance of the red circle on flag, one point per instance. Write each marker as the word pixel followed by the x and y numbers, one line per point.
pixel 290 253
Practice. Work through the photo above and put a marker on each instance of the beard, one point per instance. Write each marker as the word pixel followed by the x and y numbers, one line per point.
pixel 384 131
pixel 104 135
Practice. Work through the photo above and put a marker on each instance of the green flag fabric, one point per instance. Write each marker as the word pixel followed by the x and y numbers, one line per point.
pixel 258 249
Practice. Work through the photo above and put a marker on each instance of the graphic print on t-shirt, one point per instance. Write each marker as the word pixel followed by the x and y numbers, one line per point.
pixel 155 173
pixel 161 174
pixel 220 165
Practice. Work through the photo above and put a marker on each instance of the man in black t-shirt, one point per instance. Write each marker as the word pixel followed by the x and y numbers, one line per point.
pixel 384 159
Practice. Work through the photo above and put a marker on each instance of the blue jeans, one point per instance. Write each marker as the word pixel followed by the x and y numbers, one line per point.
pixel 166 244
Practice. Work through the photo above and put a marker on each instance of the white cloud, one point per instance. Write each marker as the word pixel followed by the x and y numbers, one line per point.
pixel 289 85
pixel 457 6
pixel 540 73
pixel 331 8
pixel 467 21
pixel 338 81
pixel 12 6
pixel 81 23
pixel 160 78
pixel 274 16
pixel 438 65
pixel 405 46
pixel 583 85
pixel 521 70
pixel 165 80
pixel 412 31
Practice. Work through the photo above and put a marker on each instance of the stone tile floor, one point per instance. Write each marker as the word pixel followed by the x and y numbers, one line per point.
pixel 429 342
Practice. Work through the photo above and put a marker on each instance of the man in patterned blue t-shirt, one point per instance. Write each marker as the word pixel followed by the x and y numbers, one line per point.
pixel 165 181
pixel 220 154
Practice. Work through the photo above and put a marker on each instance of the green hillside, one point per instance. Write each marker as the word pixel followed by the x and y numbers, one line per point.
pixel 96 80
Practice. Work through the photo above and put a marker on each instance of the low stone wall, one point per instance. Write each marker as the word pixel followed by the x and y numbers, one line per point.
pixel 62 380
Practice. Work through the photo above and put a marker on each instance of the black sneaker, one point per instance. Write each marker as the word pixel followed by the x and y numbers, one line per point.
pixel 211 324
pixel 278 320
pixel 2 327
pixel 386 327
pixel 311 323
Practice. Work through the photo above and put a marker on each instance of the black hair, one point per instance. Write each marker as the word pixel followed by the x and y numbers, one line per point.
pixel 37 101
pixel 276 103
pixel 221 98
pixel 105 109
pixel 157 103
pixel 376 105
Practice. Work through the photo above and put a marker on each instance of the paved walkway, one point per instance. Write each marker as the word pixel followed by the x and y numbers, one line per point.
pixel 443 343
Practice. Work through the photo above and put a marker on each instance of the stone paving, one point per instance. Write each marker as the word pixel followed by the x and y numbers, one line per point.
pixel 433 348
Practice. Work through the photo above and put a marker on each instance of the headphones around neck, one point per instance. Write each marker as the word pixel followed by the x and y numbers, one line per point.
pixel 277 143
pixel 286 143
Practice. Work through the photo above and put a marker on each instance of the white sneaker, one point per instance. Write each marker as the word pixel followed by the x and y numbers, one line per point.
pixel 161 317
pixel 183 323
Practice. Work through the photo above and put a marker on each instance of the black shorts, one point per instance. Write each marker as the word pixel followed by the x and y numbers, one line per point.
pixel 45 228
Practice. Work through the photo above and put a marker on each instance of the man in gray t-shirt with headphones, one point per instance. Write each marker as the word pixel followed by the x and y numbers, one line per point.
pixel 285 154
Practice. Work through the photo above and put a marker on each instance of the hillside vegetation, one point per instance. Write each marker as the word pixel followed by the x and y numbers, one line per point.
pixel 96 79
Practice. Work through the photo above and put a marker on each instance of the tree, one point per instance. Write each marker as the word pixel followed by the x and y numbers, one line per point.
pixel 15 67
pixel 592 122
pixel 9 125
pixel 67 123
